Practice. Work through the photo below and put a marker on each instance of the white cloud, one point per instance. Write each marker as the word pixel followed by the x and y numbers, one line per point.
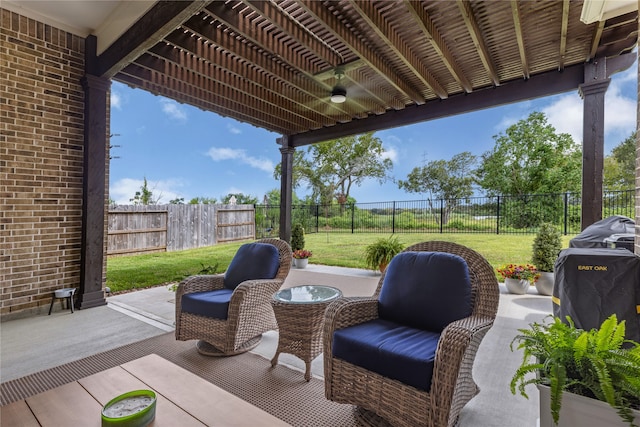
pixel 125 189
pixel 173 110
pixel 233 129
pixel 566 111
pixel 116 100
pixel 221 154
pixel 565 114
pixel 390 153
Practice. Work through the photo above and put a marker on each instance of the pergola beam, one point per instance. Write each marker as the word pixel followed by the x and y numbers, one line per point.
pixel 163 18
pixel 546 84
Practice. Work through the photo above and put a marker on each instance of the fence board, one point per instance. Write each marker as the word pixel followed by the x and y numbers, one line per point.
pixel 235 222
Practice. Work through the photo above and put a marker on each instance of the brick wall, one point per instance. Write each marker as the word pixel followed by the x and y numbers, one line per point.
pixel 41 162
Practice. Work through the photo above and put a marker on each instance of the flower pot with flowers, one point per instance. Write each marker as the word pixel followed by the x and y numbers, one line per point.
pixel 302 257
pixel 519 277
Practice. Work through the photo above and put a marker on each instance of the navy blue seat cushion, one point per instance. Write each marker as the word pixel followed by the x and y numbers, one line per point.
pixel 252 261
pixel 389 349
pixel 426 290
pixel 208 303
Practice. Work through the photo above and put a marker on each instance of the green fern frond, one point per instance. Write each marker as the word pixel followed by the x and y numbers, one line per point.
pixel 591 363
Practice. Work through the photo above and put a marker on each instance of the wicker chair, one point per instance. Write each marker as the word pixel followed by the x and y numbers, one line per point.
pixel 249 312
pixel 385 401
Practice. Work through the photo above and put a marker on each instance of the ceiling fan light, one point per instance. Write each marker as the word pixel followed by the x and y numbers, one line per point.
pixel 338 95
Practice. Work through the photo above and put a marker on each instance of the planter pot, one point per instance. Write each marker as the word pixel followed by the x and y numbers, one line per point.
pixel 544 284
pixel 302 262
pixel 517 286
pixel 579 411
pixel 293 262
pixel 133 409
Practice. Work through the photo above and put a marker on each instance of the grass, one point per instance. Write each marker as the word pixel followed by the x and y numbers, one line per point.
pixel 335 249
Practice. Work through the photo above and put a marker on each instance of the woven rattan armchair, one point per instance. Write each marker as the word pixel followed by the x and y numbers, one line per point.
pixel 249 312
pixel 382 400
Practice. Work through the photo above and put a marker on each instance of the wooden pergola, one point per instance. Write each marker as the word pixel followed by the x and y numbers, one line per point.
pixel 274 64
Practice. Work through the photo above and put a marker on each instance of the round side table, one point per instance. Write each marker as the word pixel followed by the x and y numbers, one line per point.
pixel 300 315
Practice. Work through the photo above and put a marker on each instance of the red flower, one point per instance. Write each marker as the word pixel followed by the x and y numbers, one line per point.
pixel 520 271
pixel 302 254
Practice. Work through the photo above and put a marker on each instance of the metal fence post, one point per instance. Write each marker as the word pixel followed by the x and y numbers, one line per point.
pixel 393 218
pixel 566 212
pixel 441 215
pixel 498 216
pixel 353 214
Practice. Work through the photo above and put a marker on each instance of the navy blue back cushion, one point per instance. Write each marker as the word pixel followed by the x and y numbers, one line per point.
pixel 252 261
pixel 208 303
pixel 426 290
pixel 394 351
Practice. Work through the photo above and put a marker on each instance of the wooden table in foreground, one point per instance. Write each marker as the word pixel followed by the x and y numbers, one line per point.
pixel 183 399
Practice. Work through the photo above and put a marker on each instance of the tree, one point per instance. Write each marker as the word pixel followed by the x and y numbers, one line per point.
pixel 620 165
pixel 531 158
pixel 332 168
pixel 448 180
pixel 203 201
pixel 241 199
pixel 177 201
pixel 144 196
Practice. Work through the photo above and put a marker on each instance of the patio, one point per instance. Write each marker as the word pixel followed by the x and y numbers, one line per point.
pixel 139 323
pixel 275 65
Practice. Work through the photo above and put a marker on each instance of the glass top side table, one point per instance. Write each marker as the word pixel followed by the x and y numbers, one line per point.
pixel 300 315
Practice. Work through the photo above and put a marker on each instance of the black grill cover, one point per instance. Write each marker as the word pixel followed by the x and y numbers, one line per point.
pixel 592 284
pixel 626 241
pixel 593 236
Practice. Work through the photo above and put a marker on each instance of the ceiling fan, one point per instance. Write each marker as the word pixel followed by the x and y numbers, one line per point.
pixel 339 93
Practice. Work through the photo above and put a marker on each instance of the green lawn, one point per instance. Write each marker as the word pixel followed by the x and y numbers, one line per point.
pixel 336 249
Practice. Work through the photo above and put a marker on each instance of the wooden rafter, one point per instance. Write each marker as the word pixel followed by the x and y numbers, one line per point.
pixel 365 52
pixel 563 33
pixel 236 80
pixel 177 77
pixel 517 25
pixel 316 92
pixel 268 41
pixel 401 49
pixel 294 30
pixel 265 41
pixel 126 77
pixel 595 41
pixel 228 61
pixel 427 26
pixel 478 40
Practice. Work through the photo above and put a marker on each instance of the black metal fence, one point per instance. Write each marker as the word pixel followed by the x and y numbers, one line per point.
pixel 500 214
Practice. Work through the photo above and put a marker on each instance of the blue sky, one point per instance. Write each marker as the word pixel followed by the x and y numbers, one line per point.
pixel 186 152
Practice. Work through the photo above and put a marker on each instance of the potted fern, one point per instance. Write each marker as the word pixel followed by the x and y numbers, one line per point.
pixel 546 247
pixel 585 378
pixel 379 253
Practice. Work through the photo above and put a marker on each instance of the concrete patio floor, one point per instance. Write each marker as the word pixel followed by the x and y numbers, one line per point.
pixel 41 342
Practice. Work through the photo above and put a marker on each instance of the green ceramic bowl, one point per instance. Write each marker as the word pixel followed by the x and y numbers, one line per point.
pixel 133 409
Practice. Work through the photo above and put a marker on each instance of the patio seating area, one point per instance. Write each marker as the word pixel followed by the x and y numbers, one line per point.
pixel 43 352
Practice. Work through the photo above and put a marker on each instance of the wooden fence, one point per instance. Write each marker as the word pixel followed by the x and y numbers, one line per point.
pixel 134 229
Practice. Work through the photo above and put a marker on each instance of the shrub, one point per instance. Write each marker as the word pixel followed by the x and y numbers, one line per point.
pixel 546 247
pixel 297 237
